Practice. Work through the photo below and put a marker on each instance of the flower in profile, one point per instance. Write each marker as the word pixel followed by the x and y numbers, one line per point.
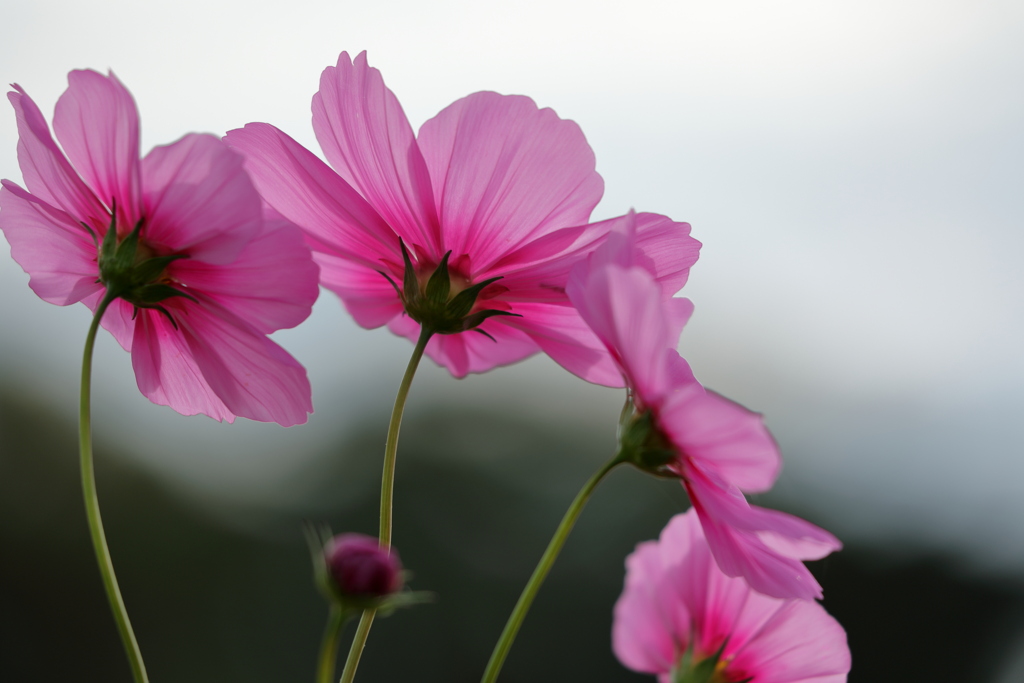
pixel 201 271
pixel 468 229
pixel 717 448
pixel 681 618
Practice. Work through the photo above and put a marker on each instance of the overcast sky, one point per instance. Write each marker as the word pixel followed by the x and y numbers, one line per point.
pixel 854 170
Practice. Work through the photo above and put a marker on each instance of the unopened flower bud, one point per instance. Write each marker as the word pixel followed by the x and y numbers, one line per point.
pixel 361 568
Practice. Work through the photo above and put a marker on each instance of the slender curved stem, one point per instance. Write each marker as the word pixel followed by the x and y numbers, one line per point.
pixel 92 505
pixel 387 483
pixel 329 646
pixel 358 643
pixel 387 495
pixel 547 560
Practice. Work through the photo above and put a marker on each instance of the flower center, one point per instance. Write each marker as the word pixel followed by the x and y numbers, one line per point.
pixel 712 669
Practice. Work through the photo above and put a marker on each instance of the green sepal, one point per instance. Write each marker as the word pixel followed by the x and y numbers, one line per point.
pixel 439 285
pixel 410 284
pixel 128 271
pixel 462 303
pixel 433 306
pixel 642 444
pixel 153 268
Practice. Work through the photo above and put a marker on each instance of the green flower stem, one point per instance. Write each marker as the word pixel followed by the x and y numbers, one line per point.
pixel 329 646
pixel 547 560
pixel 92 505
pixel 358 643
pixel 387 494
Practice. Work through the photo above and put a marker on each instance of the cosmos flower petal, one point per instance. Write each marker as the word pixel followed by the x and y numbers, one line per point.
pixel 471 352
pixel 56 252
pixel 626 309
pixel 272 283
pixel 242 369
pixel 367 295
pixel 723 436
pixel 167 371
pixel 367 139
pixel 733 529
pixel 303 189
pixel 98 125
pixel 800 643
pixel 505 172
pixel 561 333
pixel 48 174
pixel 198 200
pixel 643 636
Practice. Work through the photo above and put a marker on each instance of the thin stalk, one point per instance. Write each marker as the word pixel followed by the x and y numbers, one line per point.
pixel 358 643
pixel 92 505
pixel 547 560
pixel 329 646
pixel 387 495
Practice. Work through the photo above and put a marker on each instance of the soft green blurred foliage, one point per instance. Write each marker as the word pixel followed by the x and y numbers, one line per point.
pixel 225 594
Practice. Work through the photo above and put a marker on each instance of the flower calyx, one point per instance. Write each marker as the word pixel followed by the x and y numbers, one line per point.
pixel 692 669
pixel 130 271
pixel 643 445
pixel 438 306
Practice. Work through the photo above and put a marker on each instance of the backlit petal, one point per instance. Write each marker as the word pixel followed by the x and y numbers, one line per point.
pixel 505 172
pixel 368 140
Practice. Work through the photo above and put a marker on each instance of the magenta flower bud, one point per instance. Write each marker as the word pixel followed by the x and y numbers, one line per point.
pixel 361 568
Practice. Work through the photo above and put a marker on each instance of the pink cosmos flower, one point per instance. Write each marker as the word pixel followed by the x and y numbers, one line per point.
pixel 506 187
pixel 210 276
pixel 716 447
pixel 681 618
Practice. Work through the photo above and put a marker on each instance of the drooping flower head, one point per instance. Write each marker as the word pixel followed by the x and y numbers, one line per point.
pixel 203 273
pixel 491 198
pixel 681 618
pixel 717 448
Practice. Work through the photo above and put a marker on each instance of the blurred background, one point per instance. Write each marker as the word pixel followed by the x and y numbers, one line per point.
pixel 854 170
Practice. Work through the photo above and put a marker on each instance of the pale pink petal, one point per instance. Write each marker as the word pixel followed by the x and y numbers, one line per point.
pixel 731 526
pixel 723 436
pixel 643 635
pixel 471 352
pixel 539 270
pixel 650 241
pixel 98 125
pixel 561 333
pixel 336 219
pixel 215 364
pixel 199 200
pixel 57 253
pixel 666 249
pixel 625 309
pixel 505 172
pixel 801 643
pixel 367 139
pixel 166 371
pixel 48 174
pixel 368 297
pixel 271 285
pixel 119 319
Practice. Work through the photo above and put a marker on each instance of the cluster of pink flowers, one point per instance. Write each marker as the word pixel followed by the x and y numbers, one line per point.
pixel 476 232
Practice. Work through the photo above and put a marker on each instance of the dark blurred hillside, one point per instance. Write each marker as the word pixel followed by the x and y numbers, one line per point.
pixel 477 498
